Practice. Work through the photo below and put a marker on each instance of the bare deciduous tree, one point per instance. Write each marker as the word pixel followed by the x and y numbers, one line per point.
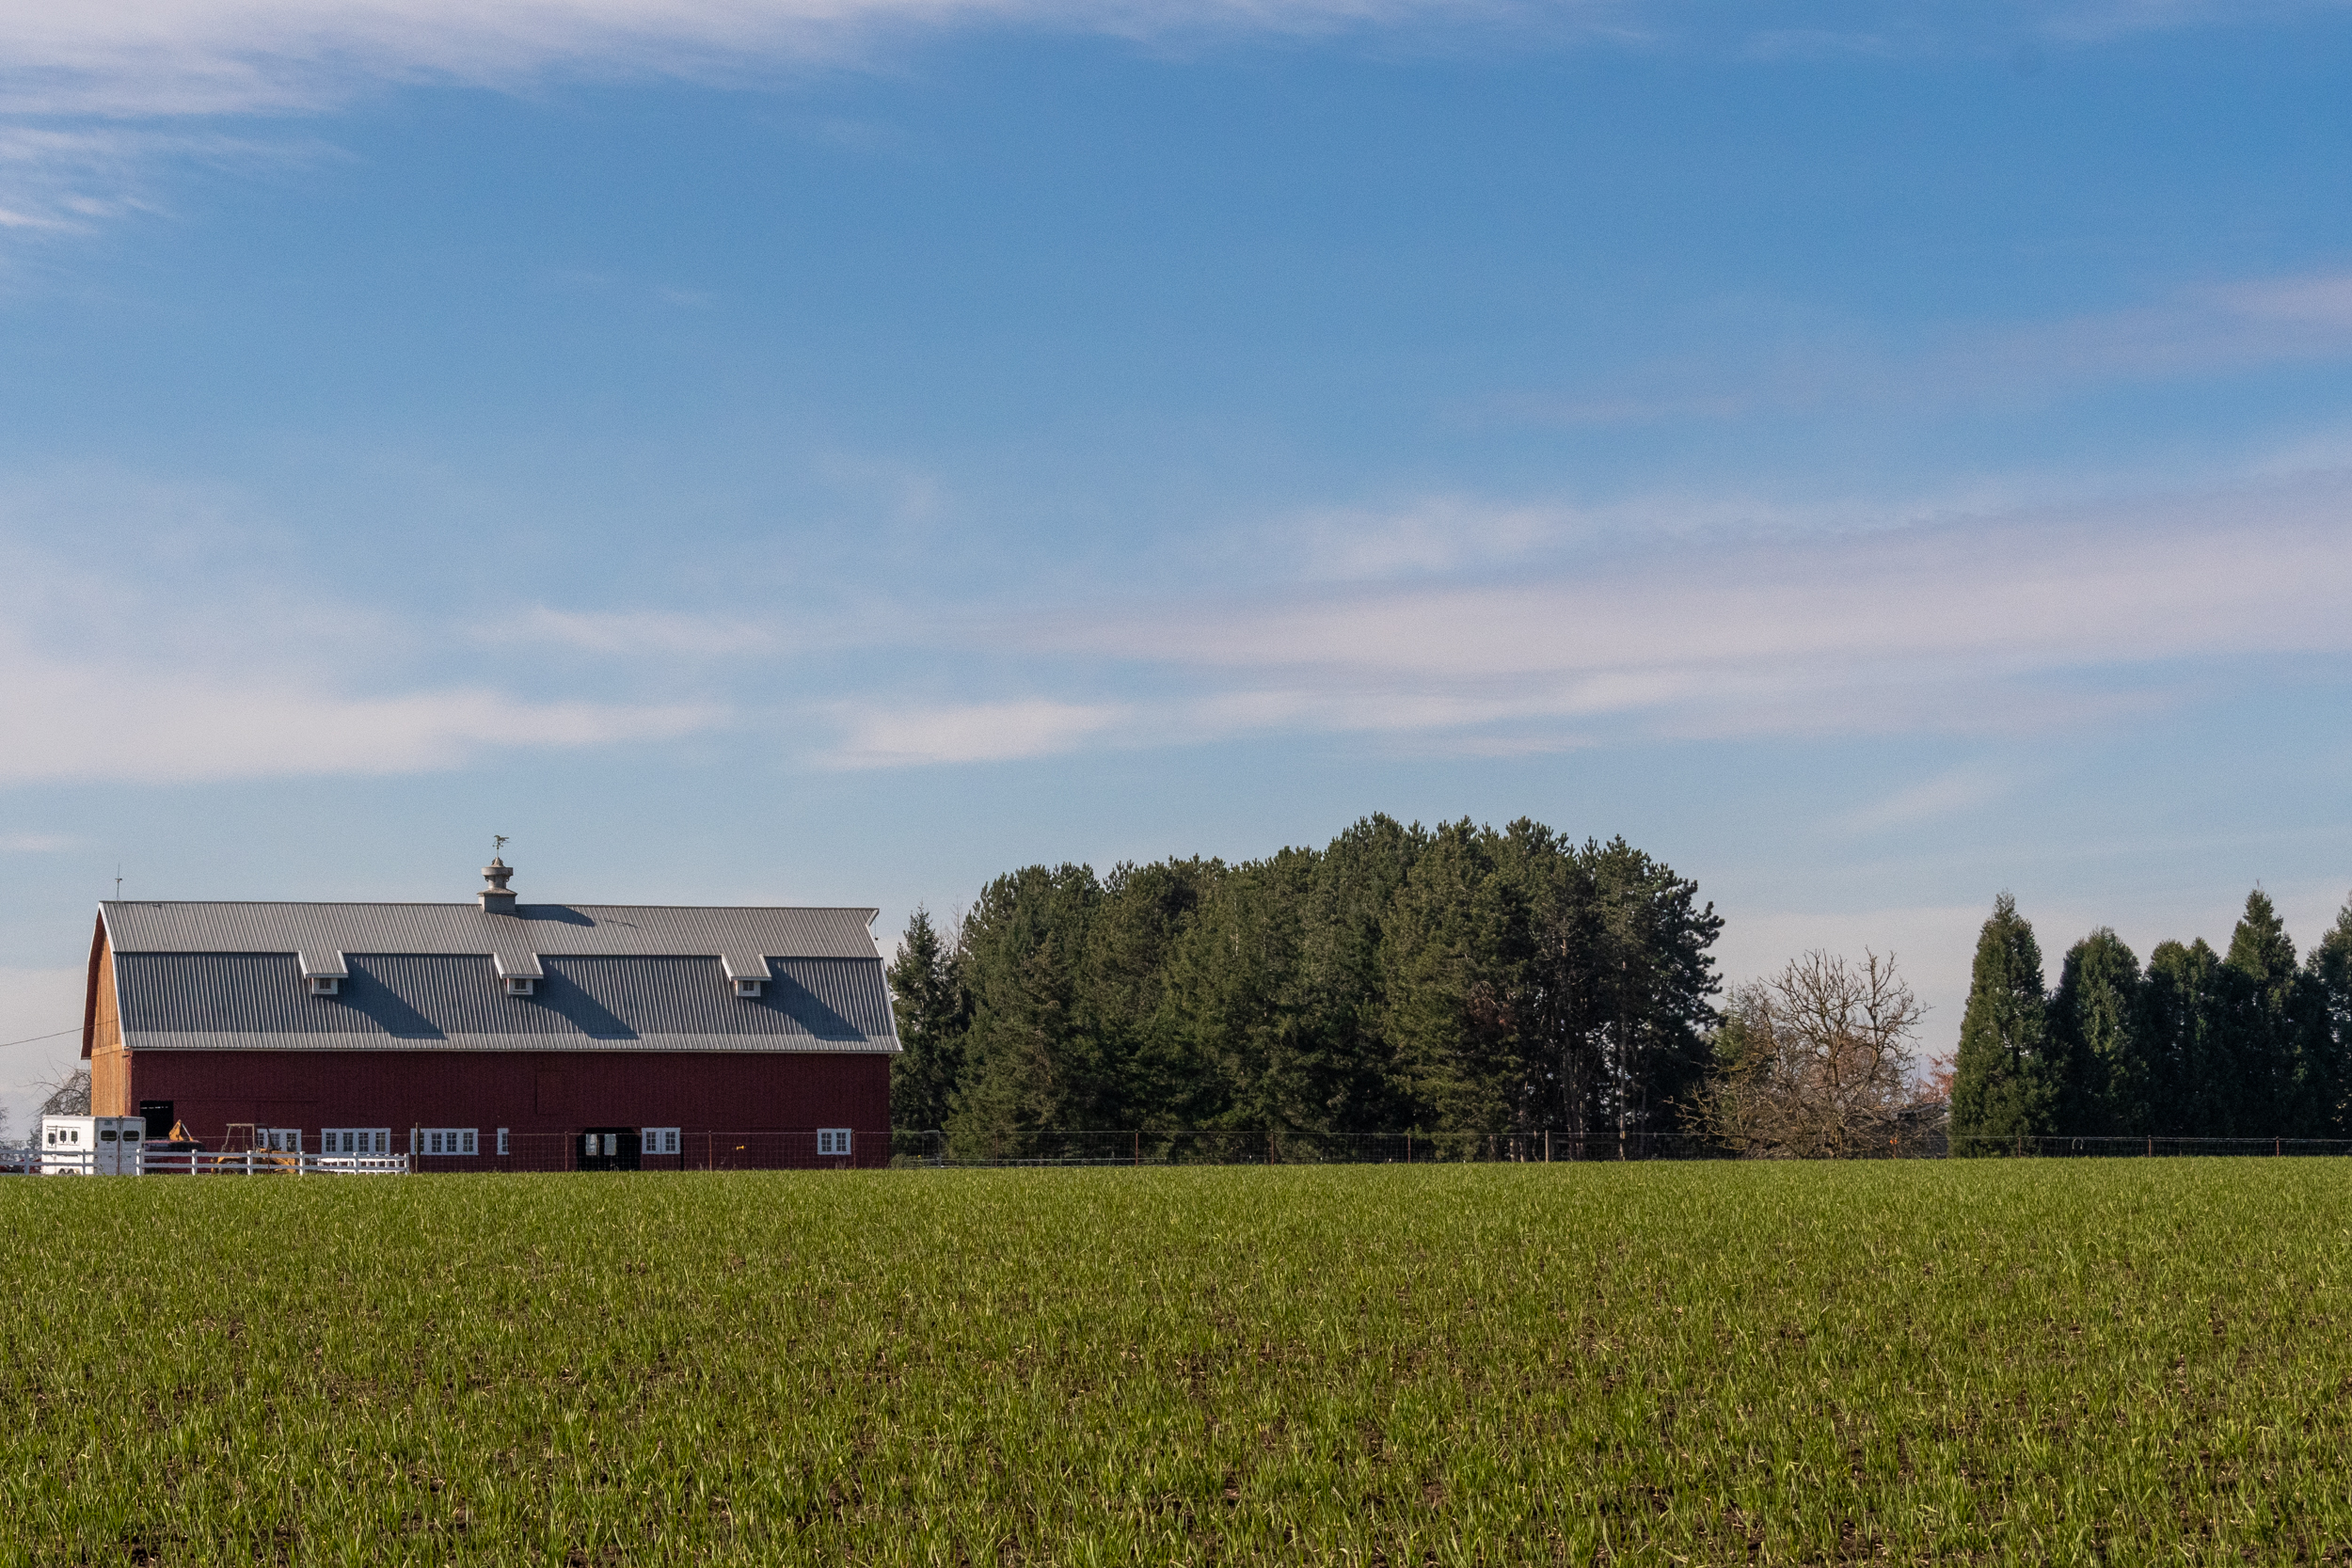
pixel 68 1094
pixel 1815 1061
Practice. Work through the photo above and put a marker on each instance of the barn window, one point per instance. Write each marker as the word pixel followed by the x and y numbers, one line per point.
pixel 660 1140
pixel 451 1140
pixel 519 985
pixel 280 1140
pixel 354 1140
pixel 325 985
pixel 833 1142
pixel 502 1140
pixel 748 988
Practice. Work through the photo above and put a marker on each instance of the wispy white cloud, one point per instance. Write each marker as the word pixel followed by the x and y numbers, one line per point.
pixel 62 181
pixel 182 57
pixel 2020 593
pixel 1947 794
pixel 2202 330
pixel 633 632
pixel 1984 626
pixel 200 57
pixel 2097 20
pixel 1446 533
pixel 882 735
pixel 160 724
pixel 34 844
pixel 194 652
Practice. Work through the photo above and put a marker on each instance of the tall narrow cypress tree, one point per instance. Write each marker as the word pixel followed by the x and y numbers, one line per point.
pixel 2280 1066
pixel 2330 969
pixel 2185 1043
pixel 933 1013
pixel 2002 1085
pixel 2103 1074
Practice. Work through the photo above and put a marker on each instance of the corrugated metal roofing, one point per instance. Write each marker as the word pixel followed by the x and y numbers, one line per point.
pixel 740 938
pixel 443 1001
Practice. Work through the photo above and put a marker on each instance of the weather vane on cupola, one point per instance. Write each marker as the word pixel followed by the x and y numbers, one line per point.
pixel 498 845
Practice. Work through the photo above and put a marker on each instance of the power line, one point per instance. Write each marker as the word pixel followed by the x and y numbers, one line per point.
pixel 30 1038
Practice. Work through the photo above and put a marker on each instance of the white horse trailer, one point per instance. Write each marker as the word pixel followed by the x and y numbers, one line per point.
pixel 91 1145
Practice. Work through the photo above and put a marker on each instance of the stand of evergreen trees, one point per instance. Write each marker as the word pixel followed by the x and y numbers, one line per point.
pixel 2198 1044
pixel 1455 979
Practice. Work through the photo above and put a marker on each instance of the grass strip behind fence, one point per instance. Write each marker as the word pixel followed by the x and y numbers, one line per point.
pixel 1998 1362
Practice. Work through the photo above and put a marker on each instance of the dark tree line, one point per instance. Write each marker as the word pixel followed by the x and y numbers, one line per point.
pixel 1455 979
pixel 2195 1044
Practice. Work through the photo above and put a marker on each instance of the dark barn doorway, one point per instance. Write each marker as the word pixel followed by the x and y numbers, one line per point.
pixel 608 1149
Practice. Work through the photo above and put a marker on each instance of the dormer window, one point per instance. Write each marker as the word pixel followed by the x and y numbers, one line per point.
pixel 325 985
pixel 749 988
pixel 519 985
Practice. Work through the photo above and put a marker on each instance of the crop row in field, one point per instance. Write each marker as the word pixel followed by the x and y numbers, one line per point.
pixel 1721 1363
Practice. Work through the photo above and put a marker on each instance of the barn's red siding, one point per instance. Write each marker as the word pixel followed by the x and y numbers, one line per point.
pixel 528 1092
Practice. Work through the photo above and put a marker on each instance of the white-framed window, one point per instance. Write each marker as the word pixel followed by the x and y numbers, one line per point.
pixel 749 988
pixel 660 1140
pixel 833 1142
pixel 502 1140
pixel 448 1140
pixel 278 1140
pixel 518 985
pixel 325 985
pixel 599 1145
pixel 354 1140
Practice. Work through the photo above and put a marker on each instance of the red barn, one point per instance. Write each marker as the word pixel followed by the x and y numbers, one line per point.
pixel 497 1034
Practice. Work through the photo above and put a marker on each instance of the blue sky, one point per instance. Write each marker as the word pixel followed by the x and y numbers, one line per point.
pixel 1871 456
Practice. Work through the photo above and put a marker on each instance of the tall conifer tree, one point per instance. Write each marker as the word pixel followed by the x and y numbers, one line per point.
pixel 2183 1044
pixel 928 998
pixel 2103 1074
pixel 2330 969
pixel 2002 1087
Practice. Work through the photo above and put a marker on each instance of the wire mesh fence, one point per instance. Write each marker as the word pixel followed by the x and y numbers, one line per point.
pixel 1196 1148
pixel 2142 1146
pixel 1259 1146
pixel 749 1151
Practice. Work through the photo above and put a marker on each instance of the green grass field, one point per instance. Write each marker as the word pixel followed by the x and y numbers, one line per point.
pixel 1999 1361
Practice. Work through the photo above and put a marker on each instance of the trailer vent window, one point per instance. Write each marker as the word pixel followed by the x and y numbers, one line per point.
pixel 450 1140
pixel 518 985
pixel 748 988
pixel 833 1142
pixel 325 985
pixel 354 1140
pixel 660 1140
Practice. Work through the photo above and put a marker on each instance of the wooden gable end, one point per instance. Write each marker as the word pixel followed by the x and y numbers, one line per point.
pixel 102 1032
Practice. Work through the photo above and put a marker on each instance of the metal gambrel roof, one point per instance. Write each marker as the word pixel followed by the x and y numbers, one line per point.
pixel 426 976
pixel 743 939
pixel 454 1001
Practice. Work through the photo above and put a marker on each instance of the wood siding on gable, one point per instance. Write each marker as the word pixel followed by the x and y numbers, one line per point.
pixel 101 1036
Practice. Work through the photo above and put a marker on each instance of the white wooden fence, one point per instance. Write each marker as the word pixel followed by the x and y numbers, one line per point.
pixel 257 1162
